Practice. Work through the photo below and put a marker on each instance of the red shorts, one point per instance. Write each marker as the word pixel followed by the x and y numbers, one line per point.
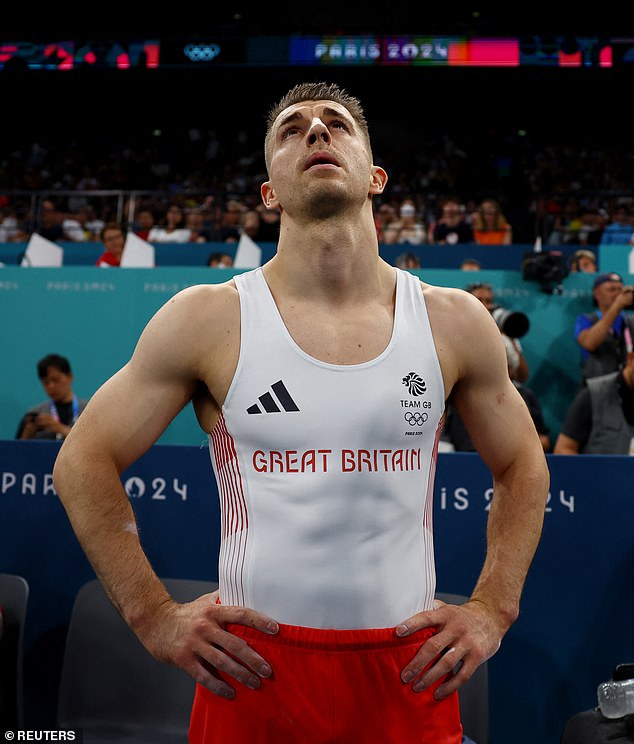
pixel 328 687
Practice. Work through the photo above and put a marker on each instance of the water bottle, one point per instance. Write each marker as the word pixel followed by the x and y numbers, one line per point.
pixel 616 698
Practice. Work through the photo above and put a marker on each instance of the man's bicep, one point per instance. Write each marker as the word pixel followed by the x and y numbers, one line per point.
pixel 498 421
pixel 128 414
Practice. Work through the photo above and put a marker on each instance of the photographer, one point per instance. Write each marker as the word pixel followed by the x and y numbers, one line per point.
pixel 601 334
pixel 512 326
pixel 600 419
pixel 455 433
pixel 53 418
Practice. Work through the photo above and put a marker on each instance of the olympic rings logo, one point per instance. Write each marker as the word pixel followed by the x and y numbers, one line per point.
pixel 201 52
pixel 416 418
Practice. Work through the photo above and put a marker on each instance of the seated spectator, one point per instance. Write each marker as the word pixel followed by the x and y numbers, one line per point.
pixel 113 239
pixel 261 224
pixel 82 226
pixel 220 260
pixel 408 260
pixel 195 223
pixel 407 229
pixel 383 217
pixel 602 334
pixel 583 261
pixel 9 225
pixel 230 227
pixel 451 227
pixel 600 419
pixel 490 226
pixel 593 223
pixel 173 230
pixel 143 223
pixel 470 264
pixel 54 418
pixel 50 221
pixel 619 230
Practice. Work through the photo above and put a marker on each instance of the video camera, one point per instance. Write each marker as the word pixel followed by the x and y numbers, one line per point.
pixel 548 268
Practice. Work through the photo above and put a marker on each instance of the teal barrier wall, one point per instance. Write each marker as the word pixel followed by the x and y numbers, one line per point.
pixel 196 254
pixel 94 317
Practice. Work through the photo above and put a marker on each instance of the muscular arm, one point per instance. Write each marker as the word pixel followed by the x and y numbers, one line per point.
pixel 499 423
pixel 122 420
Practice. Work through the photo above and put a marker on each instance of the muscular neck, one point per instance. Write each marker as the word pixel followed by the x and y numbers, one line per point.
pixel 327 258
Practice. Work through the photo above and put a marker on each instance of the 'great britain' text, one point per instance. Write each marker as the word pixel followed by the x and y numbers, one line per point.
pixel 344 461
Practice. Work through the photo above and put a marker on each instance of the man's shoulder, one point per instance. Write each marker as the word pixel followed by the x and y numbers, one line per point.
pixel 203 308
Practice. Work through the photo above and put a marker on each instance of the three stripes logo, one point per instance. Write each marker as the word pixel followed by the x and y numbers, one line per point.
pixel 277 402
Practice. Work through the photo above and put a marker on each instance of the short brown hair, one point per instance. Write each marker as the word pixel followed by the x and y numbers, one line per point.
pixel 317 92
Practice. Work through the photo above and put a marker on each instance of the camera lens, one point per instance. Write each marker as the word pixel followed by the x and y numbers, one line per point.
pixel 513 324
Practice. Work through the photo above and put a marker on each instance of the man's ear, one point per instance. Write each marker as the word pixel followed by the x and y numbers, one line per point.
pixel 268 195
pixel 378 180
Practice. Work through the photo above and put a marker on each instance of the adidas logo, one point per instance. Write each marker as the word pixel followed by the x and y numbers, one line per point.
pixel 271 404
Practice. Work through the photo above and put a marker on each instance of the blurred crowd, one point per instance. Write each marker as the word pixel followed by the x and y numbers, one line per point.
pixel 203 185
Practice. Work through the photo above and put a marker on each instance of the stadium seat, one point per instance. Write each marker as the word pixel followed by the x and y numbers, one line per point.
pixel 14 595
pixel 111 687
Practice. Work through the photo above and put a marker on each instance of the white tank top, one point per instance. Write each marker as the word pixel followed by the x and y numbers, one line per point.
pixel 326 472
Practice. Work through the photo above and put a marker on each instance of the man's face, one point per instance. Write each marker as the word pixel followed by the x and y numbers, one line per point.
pixel 587 265
pixel 57 385
pixel 114 242
pixel 318 158
pixel 485 295
pixel 606 293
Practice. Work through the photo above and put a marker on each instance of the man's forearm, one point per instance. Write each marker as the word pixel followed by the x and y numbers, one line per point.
pixel 514 527
pixel 105 525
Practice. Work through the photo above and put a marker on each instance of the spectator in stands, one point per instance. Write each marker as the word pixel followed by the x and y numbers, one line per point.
pixel 603 334
pixel 408 228
pixel 195 223
pixel 451 227
pixel 567 224
pixel 262 225
pixel 50 221
pixel 470 264
pixel 9 224
pixel 53 418
pixel 84 226
pixel 383 217
pixel 593 223
pixel 408 260
pixel 583 261
pixel 173 230
pixel 143 223
pixel 113 239
pixel 220 260
pixel 600 419
pixel 620 230
pixel 490 226
pixel 230 227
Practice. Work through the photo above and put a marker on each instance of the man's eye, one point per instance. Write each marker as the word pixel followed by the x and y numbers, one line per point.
pixel 339 124
pixel 289 131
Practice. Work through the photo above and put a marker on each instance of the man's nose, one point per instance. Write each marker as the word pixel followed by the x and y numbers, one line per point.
pixel 317 131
